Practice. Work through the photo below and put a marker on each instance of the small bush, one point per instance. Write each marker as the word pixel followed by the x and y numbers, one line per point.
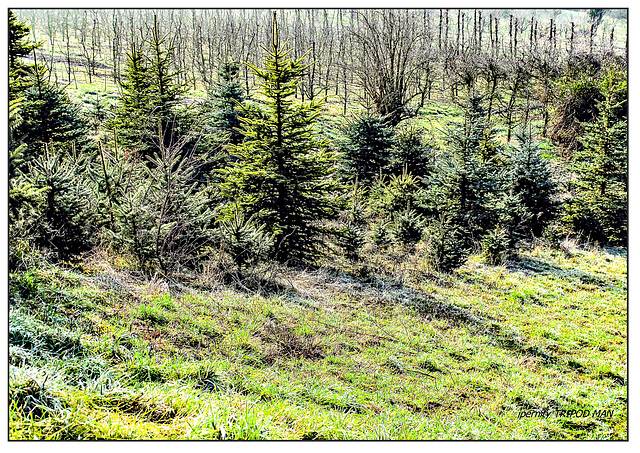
pixel 408 227
pixel 446 245
pixel 381 233
pixel 495 246
pixel 243 240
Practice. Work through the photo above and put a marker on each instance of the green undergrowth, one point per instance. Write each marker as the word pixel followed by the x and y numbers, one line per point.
pixel 321 354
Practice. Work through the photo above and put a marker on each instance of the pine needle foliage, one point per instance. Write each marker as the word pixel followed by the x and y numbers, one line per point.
pixel 599 207
pixel 531 180
pixel 60 203
pixel 135 110
pixel 48 117
pixel 283 169
pixel 225 101
pixel 243 240
pixel 366 149
pixel 19 47
pixel 466 175
pixel 150 97
pixel 160 213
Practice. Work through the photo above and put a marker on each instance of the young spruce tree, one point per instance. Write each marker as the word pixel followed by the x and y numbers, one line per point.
pixel 283 169
pixel 19 46
pixel 599 207
pixel 135 109
pixel 225 101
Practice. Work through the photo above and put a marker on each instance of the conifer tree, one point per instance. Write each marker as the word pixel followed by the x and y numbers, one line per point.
pixel 150 98
pixel 599 206
pixel 164 92
pixel 19 47
pixel 366 150
pixel 161 215
pixel 48 117
pixel 283 173
pixel 411 153
pixel 62 219
pixel 225 102
pixel 531 181
pixel 466 174
pixel 134 113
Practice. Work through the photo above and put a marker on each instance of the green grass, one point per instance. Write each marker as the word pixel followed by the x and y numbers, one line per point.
pixel 99 354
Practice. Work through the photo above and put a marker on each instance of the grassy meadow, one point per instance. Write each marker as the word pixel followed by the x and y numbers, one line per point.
pixel 96 353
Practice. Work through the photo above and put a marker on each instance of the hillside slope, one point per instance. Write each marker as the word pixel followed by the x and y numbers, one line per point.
pixel 98 353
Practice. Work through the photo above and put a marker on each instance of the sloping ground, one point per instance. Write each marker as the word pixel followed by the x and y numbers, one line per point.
pixel 322 355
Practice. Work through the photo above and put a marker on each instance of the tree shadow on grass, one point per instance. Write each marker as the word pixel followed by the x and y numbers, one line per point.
pixel 528 265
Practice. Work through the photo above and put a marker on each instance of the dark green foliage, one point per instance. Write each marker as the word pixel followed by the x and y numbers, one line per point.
pixel 381 233
pixel 508 212
pixel 283 170
pixel 134 112
pixel 496 245
pixel 48 117
pixel 395 194
pixel 531 180
pixel 353 221
pixel 411 153
pixel 164 92
pixel 19 46
pixel 160 215
pixel 599 206
pixel 366 149
pixel 244 241
pixel 149 116
pixel 447 247
pixel 467 176
pixel 57 208
pixel 408 227
pixel 225 102
pixel 98 112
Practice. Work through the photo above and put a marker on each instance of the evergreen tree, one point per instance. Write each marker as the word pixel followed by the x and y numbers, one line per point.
pixel 353 221
pixel 366 150
pixel 61 217
pixel 447 247
pixel 158 212
pixel 225 102
pixel 530 180
pixel 466 175
pixel 411 154
pixel 134 113
pixel 599 206
pixel 164 92
pixel 283 173
pixel 48 117
pixel 19 47
pixel 221 114
pixel 149 116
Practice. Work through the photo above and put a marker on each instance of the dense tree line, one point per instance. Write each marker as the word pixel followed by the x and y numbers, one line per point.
pixel 248 174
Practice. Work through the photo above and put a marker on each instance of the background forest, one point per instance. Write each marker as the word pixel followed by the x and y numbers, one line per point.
pixel 189 189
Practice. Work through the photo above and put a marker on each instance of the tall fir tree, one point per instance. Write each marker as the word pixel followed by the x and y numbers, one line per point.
pixel 600 191
pixel 165 92
pixel 19 47
pixel 150 115
pixel 283 173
